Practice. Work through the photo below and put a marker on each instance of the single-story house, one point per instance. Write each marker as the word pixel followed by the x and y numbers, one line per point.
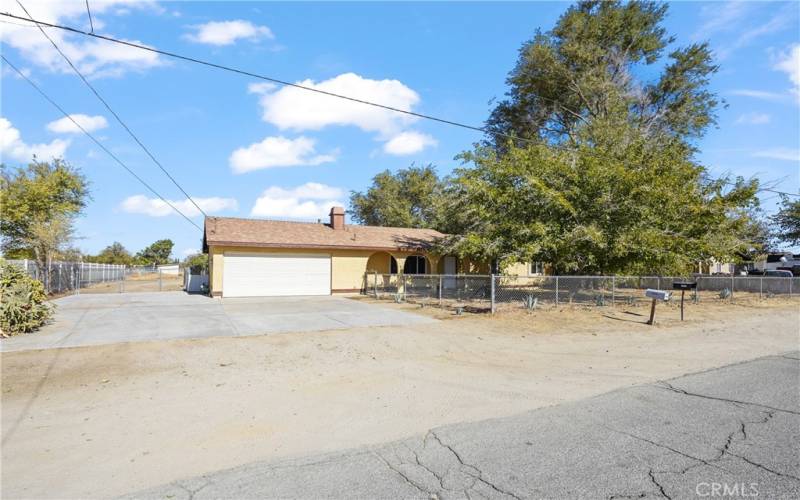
pixel 250 257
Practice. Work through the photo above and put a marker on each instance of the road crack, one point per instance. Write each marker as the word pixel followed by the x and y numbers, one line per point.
pixel 666 385
pixel 470 469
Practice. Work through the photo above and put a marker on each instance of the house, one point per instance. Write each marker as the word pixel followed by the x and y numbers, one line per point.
pixel 249 257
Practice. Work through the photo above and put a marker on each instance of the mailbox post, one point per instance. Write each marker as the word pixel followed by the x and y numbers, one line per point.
pixel 656 295
pixel 683 286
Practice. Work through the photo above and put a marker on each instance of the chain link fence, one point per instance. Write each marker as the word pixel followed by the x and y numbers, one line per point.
pixel 90 277
pixel 483 293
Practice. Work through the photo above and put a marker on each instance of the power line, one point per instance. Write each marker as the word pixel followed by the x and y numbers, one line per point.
pixel 99 144
pixel 484 130
pixel 108 107
pixel 88 11
pixel 270 79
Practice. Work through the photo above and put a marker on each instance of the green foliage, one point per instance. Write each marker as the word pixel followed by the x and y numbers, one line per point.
pixel 606 181
pixel 572 81
pixel 158 253
pixel 197 262
pixel 23 306
pixel 408 198
pixel 42 198
pixel 633 210
pixel 787 222
pixel 115 253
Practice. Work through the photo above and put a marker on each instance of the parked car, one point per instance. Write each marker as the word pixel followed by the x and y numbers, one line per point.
pixel 777 273
pixel 755 272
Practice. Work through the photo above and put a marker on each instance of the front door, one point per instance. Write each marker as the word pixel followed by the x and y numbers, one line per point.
pixel 449 270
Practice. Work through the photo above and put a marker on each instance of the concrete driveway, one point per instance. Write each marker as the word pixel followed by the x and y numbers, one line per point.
pixel 130 317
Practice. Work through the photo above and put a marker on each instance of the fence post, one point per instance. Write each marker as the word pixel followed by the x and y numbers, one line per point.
pixel 375 284
pixel 732 278
pixel 761 288
pixel 440 290
pixel 556 290
pixel 613 289
pixel 791 280
pixel 159 280
pixel 493 306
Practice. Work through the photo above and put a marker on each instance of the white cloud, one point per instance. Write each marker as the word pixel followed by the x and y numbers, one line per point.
pixel 188 252
pixel 95 58
pixel 721 17
pixel 66 126
pixel 786 154
pixel 297 109
pixel 758 94
pixel 260 87
pixel 407 143
pixel 155 207
pixel 12 145
pixel 753 119
pixel 228 32
pixel 308 201
pixel 278 152
pixel 789 63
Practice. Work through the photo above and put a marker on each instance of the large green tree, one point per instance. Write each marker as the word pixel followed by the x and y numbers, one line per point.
pixel 787 222
pixel 592 169
pixel 408 198
pixel 581 76
pixel 597 213
pixel 38 206
pixel 157 253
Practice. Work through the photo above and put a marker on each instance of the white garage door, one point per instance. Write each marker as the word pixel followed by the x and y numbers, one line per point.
pixel 266 275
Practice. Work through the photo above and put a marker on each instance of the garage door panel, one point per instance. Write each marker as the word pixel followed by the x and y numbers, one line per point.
pixel 262 275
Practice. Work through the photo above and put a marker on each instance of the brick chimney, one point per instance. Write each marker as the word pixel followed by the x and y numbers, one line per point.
pixel 337 217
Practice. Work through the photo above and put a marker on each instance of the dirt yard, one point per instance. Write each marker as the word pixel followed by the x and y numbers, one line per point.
pixel 107 420
pixel 139 283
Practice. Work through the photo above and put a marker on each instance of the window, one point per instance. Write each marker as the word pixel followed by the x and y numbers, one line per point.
pixel 536 268
pixel 415 264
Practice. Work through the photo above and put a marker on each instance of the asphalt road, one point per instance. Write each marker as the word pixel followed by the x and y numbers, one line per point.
pixel 732 432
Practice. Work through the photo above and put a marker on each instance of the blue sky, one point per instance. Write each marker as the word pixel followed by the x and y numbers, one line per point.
pixel 245 149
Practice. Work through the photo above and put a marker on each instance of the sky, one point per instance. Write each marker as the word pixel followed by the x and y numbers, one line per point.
pixel 244 147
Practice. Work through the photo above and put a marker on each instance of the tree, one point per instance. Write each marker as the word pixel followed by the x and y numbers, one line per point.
pixel 408 198
pixel 571 82
pixel 40 203
pixel 197 262
pixel 605 180
pixel 115 253
pixel 593 213
pixel 158 253
pixel 787 222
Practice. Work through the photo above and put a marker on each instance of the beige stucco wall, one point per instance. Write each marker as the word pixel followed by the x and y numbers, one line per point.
pixel 347 266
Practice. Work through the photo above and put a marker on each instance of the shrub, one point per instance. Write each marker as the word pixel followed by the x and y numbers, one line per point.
pixel 23 306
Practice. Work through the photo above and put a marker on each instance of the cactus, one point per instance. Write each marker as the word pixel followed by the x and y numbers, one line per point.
pixel 530 302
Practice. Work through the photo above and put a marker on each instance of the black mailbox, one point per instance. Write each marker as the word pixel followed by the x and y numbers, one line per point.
pixel 684 285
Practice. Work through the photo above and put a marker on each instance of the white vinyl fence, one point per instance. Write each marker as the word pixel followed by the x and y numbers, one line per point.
pixel 61 277
pixel 488 293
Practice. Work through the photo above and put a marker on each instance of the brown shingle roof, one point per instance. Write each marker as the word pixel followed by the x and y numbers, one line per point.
pixel 271 233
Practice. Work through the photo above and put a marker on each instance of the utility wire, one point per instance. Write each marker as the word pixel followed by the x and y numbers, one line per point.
pixel 484 130
pixel 99 144
pixel 270 79
pixel 108 107
pixel 88 11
